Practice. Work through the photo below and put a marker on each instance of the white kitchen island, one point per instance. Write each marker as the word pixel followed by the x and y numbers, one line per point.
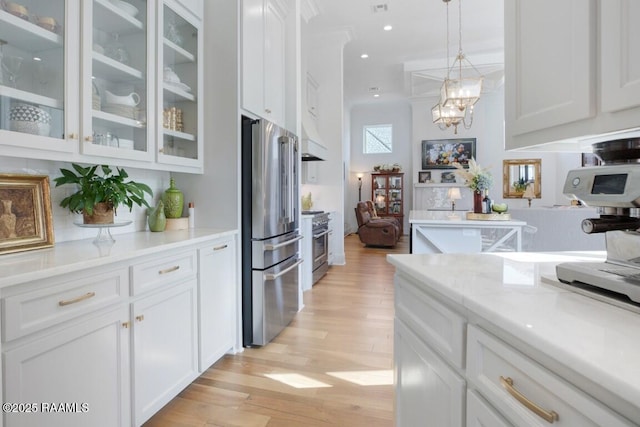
pixel 449 232
pixel 484 339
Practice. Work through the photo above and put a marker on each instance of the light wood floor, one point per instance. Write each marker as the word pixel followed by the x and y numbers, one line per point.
pixel 331 367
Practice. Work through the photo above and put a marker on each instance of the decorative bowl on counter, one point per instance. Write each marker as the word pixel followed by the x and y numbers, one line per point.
pixel 29 119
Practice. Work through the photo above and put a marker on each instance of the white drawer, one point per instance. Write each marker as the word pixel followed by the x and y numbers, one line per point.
pixel 163 270
pixel 489 360
pixel 49 302
pixel 481 414
pixel 441 328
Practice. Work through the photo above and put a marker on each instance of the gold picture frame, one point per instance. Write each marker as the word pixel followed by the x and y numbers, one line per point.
pixel 26 222
pixel 517 174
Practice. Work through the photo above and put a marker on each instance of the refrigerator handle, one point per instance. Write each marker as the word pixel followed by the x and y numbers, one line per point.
pixel 287 175
pixel 281 245
pixel 269 276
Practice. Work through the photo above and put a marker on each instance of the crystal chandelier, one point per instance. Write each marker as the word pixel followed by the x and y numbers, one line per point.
pixel 457 95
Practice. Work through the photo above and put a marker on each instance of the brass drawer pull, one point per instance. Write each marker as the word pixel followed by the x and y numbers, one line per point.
pixel 77 299
pixel 169 270
pixel 140 317
pixel 221 247
pixel 548 416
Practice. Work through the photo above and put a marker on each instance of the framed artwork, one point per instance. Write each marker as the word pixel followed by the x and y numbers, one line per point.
pixel 424 176
pixel 448 177
pixel 25 213
pixel 443 153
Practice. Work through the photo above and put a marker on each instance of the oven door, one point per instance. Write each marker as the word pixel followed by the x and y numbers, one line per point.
pixel 320 253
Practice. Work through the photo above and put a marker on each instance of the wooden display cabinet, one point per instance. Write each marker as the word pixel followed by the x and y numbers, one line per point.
pixel 387 194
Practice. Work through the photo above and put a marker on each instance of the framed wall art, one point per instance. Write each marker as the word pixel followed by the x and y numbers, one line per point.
pixel 443 153
pixel 25 213
pixel 424 177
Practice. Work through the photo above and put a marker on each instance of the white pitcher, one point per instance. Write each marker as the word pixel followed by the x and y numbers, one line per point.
pixel 130 100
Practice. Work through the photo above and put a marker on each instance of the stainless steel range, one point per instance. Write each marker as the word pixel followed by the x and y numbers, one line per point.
pixel 320 244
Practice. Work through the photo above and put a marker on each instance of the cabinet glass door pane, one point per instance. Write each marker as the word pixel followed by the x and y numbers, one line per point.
pixel 32 67
pixel 179 127
pixel 118 75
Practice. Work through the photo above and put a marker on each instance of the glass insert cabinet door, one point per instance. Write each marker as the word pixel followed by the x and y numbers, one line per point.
pixel 115 62
pixel 179 75
pixel 32 74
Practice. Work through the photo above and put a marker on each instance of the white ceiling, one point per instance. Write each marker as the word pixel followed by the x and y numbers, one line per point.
pixel 410 60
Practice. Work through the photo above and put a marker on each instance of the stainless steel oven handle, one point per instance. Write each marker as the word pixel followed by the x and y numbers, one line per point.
pixel 283 244
pixel 324 233
pixel 283 272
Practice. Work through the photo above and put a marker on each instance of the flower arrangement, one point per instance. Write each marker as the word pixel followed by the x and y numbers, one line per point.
pixel 387 168
pixel 476 177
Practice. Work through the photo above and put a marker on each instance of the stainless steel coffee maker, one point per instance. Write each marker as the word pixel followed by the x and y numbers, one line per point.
pixel 615 189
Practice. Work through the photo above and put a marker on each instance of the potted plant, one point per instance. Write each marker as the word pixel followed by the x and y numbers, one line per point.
pixel 100 194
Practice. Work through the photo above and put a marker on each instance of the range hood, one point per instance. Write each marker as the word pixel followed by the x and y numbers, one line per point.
pixel 312 148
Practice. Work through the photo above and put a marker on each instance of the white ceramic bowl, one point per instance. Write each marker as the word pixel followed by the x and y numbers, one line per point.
pixel 29 119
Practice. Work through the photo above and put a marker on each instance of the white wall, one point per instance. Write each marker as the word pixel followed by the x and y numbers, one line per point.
pixel 488 129
pixel 63 221
pixel 397 114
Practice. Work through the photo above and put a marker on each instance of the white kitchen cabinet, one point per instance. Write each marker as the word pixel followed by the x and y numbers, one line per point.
pixel 117 81
pixel 312 96
pixel 572 74
pixel 117 51
pixel 512 383
pixel 164 341
pixel 39 110
pixel 217 300
pixel 264 35
pixel 426 387
pixel 620 56
pixel 180 88
pixel 481 414
pixel 85 365
pixel 118 333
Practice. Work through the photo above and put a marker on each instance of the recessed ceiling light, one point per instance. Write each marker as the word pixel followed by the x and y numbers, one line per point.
pixel 364 56
pixel 37 58
pixel 377 95
pixel 387 28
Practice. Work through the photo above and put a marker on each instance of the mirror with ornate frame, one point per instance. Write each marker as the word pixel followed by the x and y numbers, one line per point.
pixel 518 174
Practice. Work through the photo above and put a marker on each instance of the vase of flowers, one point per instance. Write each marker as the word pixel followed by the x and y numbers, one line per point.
pixel 478 180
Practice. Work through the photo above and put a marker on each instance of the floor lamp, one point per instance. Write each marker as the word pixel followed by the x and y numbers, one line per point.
pixel 359 187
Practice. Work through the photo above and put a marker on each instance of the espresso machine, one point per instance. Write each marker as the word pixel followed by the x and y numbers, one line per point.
pixel 615 189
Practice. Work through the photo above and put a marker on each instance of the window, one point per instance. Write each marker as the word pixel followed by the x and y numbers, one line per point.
pixel 378 139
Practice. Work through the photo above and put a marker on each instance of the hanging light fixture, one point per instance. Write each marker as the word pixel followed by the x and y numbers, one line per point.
pixel 459 93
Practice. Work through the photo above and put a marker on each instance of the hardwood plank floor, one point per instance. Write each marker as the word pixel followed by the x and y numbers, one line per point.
pixel 332 366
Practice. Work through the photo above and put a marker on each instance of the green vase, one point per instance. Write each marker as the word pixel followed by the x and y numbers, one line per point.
pixel 157 219
pixel 173 201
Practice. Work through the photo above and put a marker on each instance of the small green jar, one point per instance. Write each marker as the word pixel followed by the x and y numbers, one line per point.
pixel 173 201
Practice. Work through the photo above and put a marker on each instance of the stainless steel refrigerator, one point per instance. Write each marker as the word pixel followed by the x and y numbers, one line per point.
pixel 270 235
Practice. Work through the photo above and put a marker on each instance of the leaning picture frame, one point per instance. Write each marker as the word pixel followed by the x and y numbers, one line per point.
pixel 443 153
pixel 424 177
pixel 26 221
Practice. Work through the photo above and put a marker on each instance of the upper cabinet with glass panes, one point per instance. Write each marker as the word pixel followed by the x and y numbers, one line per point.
pixel 180 71
pixel 78 82
pixel 33 93
pixel 117 79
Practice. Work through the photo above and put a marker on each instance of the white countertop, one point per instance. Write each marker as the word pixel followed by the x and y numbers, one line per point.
pixel 67 257
pixel 590 341
pixel 444 218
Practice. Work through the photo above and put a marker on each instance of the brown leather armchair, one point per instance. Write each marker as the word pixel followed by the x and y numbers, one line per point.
pixel 376 231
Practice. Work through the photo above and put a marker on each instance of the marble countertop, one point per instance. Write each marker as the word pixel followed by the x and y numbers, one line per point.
pixel 445 218
pixel 592 343
pixel 67 257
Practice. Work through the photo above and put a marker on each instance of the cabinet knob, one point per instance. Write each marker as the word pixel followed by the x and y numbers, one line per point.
pixel 88 138
pixel 125 325
pixel 268 111
pixel 140 318
pixel 73 136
